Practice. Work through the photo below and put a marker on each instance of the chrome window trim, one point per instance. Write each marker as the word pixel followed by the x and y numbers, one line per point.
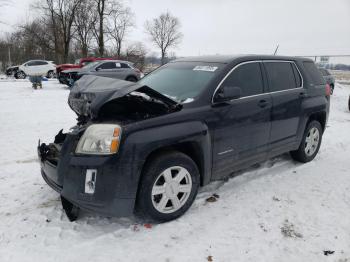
pixel 258 61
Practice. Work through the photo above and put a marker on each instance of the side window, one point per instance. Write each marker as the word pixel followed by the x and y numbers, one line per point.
pixel 281 76
pixel 314 74
pixel 32 63
pixel 108 65
pixel 41 63
pixel 248 78
pixel 123 65
pixel 297 76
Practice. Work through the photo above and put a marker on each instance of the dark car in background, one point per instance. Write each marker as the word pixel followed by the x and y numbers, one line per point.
pixel 147 147
pixel 328 77
pixel 118 69
pixel 78 64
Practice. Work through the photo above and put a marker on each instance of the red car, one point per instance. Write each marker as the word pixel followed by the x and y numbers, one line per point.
pixel 78 64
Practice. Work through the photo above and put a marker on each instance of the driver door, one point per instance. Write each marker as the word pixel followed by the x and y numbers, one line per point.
pixel 242 128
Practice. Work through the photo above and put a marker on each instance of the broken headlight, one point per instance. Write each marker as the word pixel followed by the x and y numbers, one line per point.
pixel 100 139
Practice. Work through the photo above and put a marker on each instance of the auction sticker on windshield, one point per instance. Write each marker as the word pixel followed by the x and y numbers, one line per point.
pixel 205 68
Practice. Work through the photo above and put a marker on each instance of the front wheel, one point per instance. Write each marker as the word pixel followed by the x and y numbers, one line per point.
pixel 131 79
pixel 168 187
pixel 20 75
pixel 310 143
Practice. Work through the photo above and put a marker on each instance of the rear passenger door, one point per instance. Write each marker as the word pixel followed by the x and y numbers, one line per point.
pixel 241 133
pixel 286 89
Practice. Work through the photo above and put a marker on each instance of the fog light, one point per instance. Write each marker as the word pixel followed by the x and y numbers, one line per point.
pixel 90 181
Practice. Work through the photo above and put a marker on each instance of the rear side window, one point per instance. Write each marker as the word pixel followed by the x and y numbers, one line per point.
pixel 248 78
pixel 41 63
pixel 297 76
pixel 123 65
pixel 281 76
pixel 313 73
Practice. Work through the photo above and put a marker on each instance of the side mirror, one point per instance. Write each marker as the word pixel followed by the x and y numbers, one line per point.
pixel 98 69
pixel 227 93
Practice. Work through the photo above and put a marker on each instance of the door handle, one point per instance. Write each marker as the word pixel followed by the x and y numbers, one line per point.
pixel 263 103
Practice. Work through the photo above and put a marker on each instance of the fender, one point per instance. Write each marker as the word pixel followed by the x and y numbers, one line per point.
pixel 138 146
pixel 311 106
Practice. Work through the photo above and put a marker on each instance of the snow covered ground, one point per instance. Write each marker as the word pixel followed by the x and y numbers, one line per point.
pixel 276 211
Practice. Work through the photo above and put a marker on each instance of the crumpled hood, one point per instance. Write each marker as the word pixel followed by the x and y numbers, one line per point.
pixel 91 92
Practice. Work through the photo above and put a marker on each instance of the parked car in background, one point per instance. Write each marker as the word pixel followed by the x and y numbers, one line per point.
pixel 11 70
pixel 328 77
pixel 118 69
pixel 147 147
pixel 15 72
pixel 38 67
pixel 78 64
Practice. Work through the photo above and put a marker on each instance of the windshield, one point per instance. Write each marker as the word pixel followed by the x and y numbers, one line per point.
pixel 181 81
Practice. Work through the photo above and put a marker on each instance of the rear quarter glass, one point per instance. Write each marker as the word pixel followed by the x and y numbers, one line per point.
pixel 314 75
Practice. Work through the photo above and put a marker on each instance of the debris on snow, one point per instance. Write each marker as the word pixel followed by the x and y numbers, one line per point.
pixel 288 230
pixel 328 252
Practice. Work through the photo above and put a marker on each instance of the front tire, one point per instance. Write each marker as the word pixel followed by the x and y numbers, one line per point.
pixel 20 75
pixel 168 186
pixel 310 143
pixel 131 79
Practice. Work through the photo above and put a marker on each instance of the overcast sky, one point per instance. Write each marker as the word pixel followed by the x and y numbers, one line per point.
pixel 300 27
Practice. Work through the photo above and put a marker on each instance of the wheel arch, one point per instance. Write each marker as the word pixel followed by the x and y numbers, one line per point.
pixel 190 148
pixel 321 117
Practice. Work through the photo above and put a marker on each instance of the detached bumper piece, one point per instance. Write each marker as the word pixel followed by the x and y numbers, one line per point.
pixel 71 210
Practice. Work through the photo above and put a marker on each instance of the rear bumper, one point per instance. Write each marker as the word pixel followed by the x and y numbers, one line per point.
pixel 68 179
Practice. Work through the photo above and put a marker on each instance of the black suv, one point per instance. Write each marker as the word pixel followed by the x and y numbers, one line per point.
pixel 146 147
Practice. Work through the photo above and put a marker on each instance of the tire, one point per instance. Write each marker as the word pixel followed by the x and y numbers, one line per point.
pixel 162 207
pixel 308 148
pixel 131 79
pixel 20 75
pixel 332 88
pixel 50 74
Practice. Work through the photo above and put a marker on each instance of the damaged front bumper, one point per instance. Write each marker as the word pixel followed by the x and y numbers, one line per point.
pixel 92 183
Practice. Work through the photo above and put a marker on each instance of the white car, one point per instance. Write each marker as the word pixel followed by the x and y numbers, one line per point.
pixel 38 68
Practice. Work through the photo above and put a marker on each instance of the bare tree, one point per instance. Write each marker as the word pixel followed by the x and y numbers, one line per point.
pixel 84 23
pixel 136 53
pixel 61 14
pixel 120 21
pixel 104 8
pixel 164 32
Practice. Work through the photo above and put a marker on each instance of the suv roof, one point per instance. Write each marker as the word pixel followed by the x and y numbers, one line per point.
pixel 225 59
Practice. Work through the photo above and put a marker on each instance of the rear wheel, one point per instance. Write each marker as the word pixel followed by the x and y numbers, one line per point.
pixel 50 74
pixel 310 143
pixel 168 187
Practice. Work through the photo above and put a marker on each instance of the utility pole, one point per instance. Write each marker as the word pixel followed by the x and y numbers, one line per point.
pixel 9 55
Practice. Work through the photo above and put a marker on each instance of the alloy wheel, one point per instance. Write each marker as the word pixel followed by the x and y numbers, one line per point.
pixel 171 189
pixel 311 141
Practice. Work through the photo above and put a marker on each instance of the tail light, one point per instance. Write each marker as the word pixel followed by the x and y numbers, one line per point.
pixel 328 90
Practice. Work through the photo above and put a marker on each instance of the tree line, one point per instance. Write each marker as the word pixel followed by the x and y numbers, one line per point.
pixel 64 30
